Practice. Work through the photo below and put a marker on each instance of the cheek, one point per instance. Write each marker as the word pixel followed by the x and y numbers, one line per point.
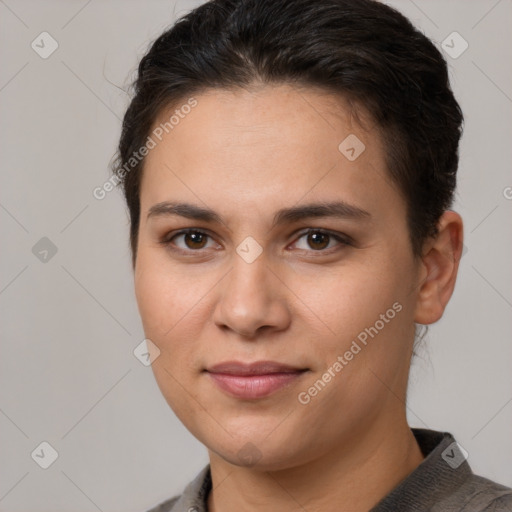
pixel 168 302
pixel 364 313
pixel 346 300
pixel 174 309
pixel 373 329
pixel 164 295
pixel 155 304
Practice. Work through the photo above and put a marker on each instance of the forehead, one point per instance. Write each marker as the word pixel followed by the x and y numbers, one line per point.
pixel 279 115
pixel 261 146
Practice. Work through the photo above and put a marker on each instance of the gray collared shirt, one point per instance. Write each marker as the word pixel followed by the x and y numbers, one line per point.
pixel 443 482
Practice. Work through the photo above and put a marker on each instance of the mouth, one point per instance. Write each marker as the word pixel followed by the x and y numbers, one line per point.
pixel 253 380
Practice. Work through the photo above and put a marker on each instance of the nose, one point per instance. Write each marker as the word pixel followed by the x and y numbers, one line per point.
pixel 252 299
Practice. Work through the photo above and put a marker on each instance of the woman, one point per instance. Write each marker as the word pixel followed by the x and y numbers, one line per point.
pixel 289 168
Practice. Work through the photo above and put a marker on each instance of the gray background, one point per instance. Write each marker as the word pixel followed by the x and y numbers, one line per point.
pixel 70 323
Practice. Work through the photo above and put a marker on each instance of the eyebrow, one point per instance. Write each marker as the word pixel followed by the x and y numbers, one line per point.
pixel 336 209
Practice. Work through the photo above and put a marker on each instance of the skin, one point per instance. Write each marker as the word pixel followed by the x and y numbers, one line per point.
pixel 246 155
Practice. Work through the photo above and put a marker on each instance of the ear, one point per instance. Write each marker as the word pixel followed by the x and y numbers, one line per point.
pixel 438 269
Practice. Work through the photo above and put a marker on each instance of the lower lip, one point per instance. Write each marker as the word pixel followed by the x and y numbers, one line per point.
pixel 253 386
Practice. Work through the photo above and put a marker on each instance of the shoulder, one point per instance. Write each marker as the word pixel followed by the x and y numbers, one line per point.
pixel 476 494
pixel 166 506
pixel 193 497
pixel 444 482
pixel 487 496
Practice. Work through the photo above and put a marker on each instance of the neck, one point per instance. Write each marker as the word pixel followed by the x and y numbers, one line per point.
pixel 345 479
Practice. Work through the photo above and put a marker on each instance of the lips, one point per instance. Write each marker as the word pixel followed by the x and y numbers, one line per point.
pixel 255 368
pixel 255 380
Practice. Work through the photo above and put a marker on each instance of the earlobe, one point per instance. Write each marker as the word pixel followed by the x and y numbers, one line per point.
pixel 439 267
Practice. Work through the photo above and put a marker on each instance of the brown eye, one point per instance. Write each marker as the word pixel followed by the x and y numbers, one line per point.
pixel 194 239
pixel 318 240
pixel 190 240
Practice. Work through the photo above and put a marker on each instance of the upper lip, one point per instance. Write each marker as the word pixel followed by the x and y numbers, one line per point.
pixel 255 368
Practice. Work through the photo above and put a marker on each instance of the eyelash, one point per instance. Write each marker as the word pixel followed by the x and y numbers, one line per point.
pixel 343 240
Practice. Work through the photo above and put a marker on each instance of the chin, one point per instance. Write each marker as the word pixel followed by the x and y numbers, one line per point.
pixel 258 451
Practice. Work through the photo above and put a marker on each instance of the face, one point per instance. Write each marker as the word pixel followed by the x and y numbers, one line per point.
pixel 265 274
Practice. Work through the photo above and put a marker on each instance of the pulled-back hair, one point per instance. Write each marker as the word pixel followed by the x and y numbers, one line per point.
pixel 364 51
